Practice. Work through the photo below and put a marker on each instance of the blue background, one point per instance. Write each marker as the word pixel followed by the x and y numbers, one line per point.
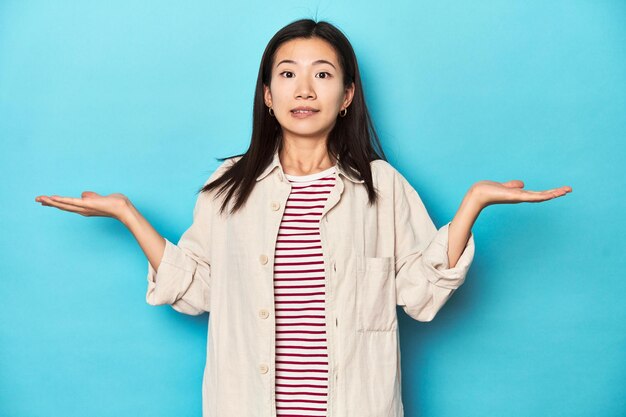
pixel 140 97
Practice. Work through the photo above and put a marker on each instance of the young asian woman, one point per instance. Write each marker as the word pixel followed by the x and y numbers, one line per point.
pixel 367 240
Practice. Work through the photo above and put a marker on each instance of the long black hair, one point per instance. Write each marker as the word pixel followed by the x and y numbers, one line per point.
pixel 353 140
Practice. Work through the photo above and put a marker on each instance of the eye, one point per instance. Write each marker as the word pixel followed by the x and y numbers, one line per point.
pixel 326 74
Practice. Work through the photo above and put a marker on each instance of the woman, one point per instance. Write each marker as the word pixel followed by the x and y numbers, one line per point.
pixel 302 247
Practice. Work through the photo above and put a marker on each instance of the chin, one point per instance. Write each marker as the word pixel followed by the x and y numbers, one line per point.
pixel 308 132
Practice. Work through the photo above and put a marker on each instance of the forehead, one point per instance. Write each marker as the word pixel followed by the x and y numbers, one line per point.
pixel 304 51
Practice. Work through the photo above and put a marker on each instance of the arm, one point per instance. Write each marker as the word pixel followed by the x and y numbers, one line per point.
pixel 431 264
pixel 460 228
pixel 150 241
pixel 182 278
pixel 483 194
pixel 177 274
pixel 424 278
pixel 119 207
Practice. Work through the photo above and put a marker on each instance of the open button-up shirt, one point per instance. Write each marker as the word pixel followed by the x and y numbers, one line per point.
pixel 375 258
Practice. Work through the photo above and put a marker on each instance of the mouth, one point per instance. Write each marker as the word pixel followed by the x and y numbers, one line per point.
pixel 302 113
pixel 304 110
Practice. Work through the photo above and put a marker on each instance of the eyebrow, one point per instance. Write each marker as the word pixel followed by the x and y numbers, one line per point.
pixel 319 61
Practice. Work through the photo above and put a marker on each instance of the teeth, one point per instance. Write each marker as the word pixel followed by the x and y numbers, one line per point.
pixel 303 111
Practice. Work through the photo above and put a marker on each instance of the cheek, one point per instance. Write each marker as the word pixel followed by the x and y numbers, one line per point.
pixel 280 94
pixel 337 94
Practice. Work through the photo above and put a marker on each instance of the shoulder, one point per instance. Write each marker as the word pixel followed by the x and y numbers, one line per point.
pixel 222 168
pixel 383 171
pixel 390 180
pixel 381 165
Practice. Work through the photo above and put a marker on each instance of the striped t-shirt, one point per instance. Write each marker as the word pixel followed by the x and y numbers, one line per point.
pixel 301 347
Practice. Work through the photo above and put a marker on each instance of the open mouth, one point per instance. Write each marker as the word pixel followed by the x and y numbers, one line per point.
pixel 304 111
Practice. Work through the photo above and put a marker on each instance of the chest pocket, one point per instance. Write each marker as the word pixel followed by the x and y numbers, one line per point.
pixel 376 294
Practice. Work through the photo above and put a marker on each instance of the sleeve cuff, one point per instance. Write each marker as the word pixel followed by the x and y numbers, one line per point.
pixel 436 261
pixel 164 284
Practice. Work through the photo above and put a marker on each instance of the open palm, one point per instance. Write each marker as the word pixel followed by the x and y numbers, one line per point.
pixel 512 192
pixel 90 204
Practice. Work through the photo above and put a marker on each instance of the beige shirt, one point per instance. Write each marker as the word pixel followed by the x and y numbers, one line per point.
pixel 375 257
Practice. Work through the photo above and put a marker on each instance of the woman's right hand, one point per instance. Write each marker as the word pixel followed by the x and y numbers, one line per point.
pixel 90 204
pixel 119 207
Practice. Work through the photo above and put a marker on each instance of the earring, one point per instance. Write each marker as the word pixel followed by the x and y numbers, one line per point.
pixel 343 112
pixel 271 112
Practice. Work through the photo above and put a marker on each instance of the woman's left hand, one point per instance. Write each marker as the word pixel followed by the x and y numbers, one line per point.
pixel 512 192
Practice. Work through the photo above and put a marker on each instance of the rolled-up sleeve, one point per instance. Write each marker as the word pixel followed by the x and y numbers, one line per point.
pixel 183 278
pixel 424 279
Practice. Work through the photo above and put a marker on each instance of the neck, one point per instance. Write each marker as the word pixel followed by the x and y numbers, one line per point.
pixel 304 157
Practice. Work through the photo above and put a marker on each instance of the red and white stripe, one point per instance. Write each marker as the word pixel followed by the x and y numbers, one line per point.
pixel 299 289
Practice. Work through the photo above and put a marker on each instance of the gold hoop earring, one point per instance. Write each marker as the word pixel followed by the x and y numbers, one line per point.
pixel 343 112
pixel 271 112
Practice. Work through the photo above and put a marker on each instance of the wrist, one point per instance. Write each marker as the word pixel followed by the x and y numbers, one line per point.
pixel 473 200
pixel 127 214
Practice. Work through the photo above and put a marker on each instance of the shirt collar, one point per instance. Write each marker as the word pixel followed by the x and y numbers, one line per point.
pixel 276 163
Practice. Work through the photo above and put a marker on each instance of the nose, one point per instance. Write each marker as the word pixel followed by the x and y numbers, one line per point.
pixel 304 89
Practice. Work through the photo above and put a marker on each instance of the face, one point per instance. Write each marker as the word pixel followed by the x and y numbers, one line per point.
pixel 307 73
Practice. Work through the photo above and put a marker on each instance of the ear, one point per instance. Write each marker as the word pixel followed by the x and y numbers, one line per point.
pixel 267 95
pixel 348 95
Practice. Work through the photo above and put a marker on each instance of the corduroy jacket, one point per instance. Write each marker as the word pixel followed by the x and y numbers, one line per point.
pixel 375 258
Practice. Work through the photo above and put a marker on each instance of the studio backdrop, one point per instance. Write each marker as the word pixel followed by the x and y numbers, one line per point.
pixel 141 97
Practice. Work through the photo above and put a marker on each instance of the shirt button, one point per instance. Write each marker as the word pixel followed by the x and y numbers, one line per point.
pixel 275 205
pixel 264 368
pixel 263 313
pixel 263 259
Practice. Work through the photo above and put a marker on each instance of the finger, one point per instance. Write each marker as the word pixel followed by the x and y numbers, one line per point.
pixel 514 184
pixel 536 196
pixel 560 191
pixel 44 200
pixel 557 191
pixel 78 202
pixel 40 198
pixel 63 206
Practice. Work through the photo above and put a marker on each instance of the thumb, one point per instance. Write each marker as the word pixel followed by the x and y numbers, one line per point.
pixel 89 194
pixel 514 184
